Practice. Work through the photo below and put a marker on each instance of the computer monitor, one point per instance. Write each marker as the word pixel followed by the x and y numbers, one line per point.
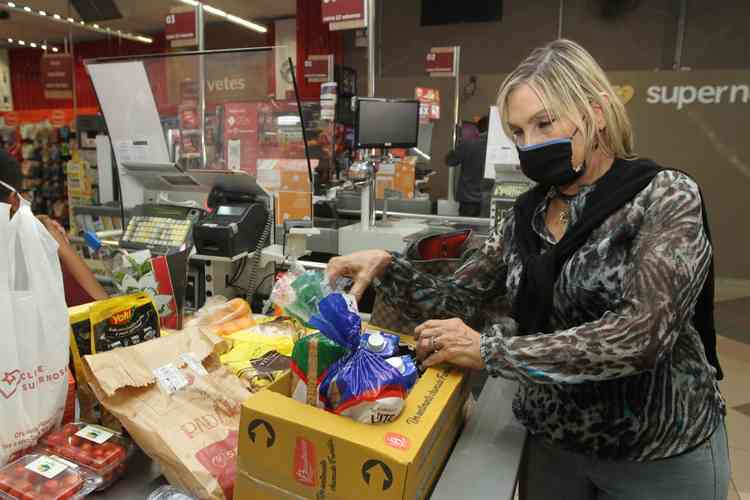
pixel 386 123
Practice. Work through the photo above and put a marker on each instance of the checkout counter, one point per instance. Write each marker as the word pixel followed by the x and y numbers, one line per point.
pixel 222 231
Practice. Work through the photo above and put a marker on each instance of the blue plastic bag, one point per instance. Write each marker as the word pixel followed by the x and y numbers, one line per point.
pixel 363 385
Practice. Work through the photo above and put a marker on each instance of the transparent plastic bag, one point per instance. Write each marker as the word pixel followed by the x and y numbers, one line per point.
pixel 223 317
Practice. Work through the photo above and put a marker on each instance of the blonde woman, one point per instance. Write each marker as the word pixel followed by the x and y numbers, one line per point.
pixel 606 268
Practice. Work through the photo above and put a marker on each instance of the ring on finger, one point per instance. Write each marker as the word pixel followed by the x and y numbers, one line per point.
pixel 433 344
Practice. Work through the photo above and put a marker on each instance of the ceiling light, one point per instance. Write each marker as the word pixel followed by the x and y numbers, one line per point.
pixel 44 47
pixel 247 24
pixel 229 17
pixel 33 44
pixel 10 40
pixel 21 42
pixel 81 24
pixel 55 49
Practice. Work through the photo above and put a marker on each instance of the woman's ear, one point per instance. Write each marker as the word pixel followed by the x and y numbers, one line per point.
pixel 598 109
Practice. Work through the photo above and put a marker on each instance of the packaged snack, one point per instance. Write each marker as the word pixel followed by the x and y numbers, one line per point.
pixel 264 371
pixel 123 321
pixel 363 385
pixel 41 476
pixel 102 326
pixel 99 449
pixel 383 344
pixel 311 358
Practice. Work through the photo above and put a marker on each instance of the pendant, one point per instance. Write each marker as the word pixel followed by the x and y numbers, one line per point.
pixel 564 216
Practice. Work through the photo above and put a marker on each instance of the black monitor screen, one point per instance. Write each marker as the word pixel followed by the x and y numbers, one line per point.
pixel 385 123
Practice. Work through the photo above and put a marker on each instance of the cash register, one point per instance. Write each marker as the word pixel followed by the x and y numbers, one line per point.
pixel 234 226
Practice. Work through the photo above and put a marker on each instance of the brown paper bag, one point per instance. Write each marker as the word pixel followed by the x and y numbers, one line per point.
pixel 179 404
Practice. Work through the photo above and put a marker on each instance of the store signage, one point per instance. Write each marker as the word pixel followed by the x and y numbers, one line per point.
pixel 230 77
pixel 345 14
pixel 181 27
pixel 57 76
pixel 58 118
pixel 318 68
pixel 429 107
pixel 441 61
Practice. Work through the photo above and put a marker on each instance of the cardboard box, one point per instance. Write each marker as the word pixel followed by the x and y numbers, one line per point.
pixel 398 177
pixel 291 450
pixel 293 205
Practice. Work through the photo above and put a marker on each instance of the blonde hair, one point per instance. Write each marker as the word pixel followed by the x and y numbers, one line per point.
pixel 570 83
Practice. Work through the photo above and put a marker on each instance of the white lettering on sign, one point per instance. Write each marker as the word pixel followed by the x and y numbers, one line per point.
pixel 683 95
pixel 226 84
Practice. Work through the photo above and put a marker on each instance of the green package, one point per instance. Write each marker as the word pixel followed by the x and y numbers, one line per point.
pixel 311 358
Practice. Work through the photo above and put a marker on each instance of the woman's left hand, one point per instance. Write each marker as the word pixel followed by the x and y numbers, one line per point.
pixel 450 340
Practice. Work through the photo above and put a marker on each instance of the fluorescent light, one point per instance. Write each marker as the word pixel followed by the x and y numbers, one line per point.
pixel 27 8
pixel 21 42
pixel 55 49
pixel 42 13
pixel 10 40
pixel 71 20
pixel 11 4
pixel 145 39
pixel 214 11
pixel 95 25
pixel 33 44
pixel 44 47
pixel 57 16
pixel 82 22
pixel 229 17
pixel 247 24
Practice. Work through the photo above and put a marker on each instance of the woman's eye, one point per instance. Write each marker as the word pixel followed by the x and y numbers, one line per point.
pixel 545 124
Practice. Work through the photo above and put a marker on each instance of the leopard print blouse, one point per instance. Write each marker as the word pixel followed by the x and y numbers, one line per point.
pixel 624 375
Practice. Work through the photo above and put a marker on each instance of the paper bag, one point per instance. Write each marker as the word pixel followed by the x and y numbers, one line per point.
pixel 179 404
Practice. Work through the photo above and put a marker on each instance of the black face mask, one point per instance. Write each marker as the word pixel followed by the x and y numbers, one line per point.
pixel 550 163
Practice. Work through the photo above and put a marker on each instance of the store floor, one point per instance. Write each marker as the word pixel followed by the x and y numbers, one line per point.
pixel 732 312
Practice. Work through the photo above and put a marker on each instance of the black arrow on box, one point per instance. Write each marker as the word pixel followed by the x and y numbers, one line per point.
pixel 387 474
pixel 251 431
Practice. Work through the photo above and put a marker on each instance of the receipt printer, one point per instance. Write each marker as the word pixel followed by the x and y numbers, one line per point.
pixel 235 225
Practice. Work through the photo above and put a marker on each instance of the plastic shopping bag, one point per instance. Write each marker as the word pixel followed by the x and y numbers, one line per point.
pixel 34 336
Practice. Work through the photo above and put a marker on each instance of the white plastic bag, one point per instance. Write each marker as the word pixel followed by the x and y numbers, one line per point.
pixel 34 332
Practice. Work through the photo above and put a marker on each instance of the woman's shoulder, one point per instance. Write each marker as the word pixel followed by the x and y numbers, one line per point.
pixel 667 180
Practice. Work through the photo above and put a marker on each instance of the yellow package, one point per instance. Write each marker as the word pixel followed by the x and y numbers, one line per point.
pixel 102 326
pixel 262 354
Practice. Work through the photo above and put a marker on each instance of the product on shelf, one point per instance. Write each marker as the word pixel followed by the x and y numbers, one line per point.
pixel 45 477
pixel 102 450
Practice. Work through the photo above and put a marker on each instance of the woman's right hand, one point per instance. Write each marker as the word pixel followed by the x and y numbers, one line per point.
pixel 361 267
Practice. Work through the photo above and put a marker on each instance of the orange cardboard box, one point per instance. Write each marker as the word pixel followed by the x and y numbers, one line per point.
pixel 293 205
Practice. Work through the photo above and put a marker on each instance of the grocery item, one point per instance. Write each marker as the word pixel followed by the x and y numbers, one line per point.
pixel 223 318
pixel 102 326
pixel 42 476
pixel 34 335
pixel 383 344
pixel 169 492
pixel 179 404
pixel 363 385
pixel 261 354
pixel 406 367
pixel 103 451
pixel 311 358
